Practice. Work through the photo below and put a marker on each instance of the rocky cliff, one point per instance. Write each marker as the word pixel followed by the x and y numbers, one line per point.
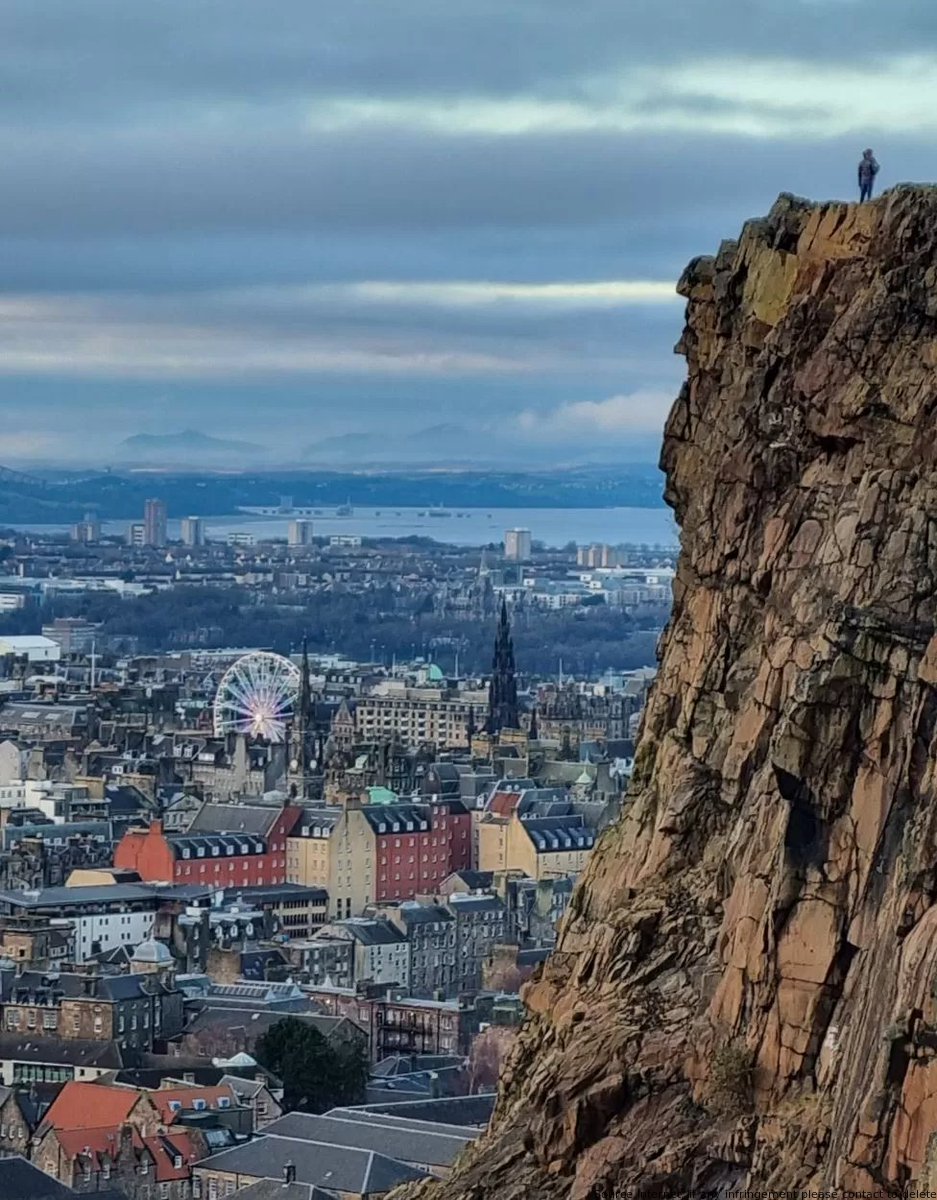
pixel 745 990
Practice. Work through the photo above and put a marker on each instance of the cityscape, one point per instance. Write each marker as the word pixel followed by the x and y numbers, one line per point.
pixel 207 847
pixel 468 600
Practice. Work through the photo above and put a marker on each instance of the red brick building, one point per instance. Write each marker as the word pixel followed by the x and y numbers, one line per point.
pixel 417 845
pixel 216 859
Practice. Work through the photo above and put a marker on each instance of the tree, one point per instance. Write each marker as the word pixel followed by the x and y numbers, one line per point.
pixel 486 1058
pixel 316 1074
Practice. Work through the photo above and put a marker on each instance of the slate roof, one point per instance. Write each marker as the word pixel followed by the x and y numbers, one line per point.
pixel 20 1180
pixel 473 904
pixel 35 987
pixel 216 845
pixel 414 1142
pixel 372 932
pixel 59 897
pixel 397 818
pixel 272 1189
pixel 343 1168
pixel 257 1022
pixel 464 1111
pixel 49 831
pixel 52 1051
pixel 408 1064
pixel 279 891
pixel 235 818
pixel 414 913
pixel 475 880
pixel 553 834
pixel 35 1102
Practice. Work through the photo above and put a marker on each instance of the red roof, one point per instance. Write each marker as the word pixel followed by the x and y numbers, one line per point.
pixel 164 1149
pixel 94 1142
pixel 185 1097
pixel 503 804
pixel 167 1147
pixel 90 1106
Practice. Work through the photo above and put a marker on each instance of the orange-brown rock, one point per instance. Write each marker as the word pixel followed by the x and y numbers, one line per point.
pixel 769 896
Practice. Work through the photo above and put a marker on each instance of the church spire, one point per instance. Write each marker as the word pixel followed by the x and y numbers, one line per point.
pixel 303 721
pixel 502 691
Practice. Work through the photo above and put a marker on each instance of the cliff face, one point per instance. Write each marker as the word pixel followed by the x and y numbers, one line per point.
pixel 745 990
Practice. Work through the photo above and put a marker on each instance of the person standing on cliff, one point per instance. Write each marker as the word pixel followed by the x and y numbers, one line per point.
pixel 868 169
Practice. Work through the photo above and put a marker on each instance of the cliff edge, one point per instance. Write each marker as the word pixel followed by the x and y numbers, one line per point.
pixel 745 988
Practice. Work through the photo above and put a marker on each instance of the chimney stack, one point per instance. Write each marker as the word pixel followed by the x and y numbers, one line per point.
pixel 289 1174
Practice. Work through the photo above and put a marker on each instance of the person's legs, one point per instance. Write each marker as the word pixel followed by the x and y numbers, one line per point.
pixel 865 192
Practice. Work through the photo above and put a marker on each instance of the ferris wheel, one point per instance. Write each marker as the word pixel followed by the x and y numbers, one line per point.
pixel 257 695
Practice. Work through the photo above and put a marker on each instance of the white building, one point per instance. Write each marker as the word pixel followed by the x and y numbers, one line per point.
pixel 103 918
pixel 192 531
pixel 517 545
pixel 32 647
pixel 299 533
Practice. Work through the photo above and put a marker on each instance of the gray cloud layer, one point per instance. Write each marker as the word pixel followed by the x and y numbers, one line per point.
pixel 193 191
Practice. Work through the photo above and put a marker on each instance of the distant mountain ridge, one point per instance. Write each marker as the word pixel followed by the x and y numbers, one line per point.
pixel 189 445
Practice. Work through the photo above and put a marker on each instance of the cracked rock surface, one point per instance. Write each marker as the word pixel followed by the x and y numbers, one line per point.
pixel 771 887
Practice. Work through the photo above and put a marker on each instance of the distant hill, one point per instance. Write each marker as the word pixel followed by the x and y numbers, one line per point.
pixel 443 444
pixel 458 447
pixel 188 447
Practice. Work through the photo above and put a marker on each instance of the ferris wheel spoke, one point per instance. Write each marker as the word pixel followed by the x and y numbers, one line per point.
pixel 257 695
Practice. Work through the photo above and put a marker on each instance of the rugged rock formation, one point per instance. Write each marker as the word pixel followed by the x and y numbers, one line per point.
pixel 745 990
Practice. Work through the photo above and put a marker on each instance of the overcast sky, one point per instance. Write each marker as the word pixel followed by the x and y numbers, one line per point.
pixel 292 221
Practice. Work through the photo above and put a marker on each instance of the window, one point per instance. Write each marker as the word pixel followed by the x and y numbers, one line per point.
pixel 49 1020
pixel 196 1187
pixel 229 1187
pixel 164 1191
pixel 213 1188
pixel 98 1024
pixel 177 1162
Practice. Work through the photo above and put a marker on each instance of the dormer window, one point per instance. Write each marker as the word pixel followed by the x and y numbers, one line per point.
pixel 186 852
pixel 200 852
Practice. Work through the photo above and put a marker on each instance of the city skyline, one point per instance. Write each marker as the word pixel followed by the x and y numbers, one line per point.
pixel 360 225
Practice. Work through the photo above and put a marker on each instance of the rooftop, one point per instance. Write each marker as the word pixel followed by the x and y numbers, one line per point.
pixel 338 1167
pixel 400 1137
pixel 20 1180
